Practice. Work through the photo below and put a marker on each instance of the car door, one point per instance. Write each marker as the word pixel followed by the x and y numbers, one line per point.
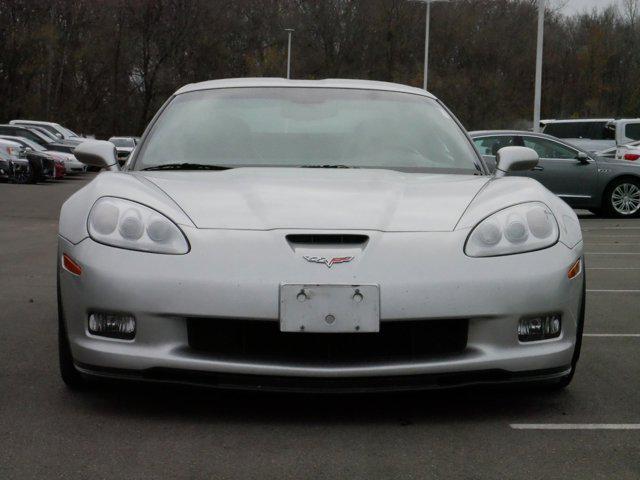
pixel 561 171
pixel 488 147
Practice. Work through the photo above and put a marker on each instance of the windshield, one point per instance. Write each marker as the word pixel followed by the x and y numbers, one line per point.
pixel 46 133
pixel 28 143
pixel 10 130
pixel 297 127
pixel 122 142
pixel 67 132
pixel 47 128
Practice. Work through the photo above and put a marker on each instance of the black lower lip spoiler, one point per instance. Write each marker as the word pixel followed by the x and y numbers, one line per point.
pixel 268 383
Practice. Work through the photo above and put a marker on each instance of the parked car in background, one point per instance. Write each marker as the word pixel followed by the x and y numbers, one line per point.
pixel 124 147
pixel 595 134
pixel 13 166
pixel 630 152
pixel 70 162
pixel 54 128
pixel 582 179
pixel 44 166
pixel 36 136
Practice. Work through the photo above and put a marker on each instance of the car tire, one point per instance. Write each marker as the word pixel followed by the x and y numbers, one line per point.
pixel 70 375
pixel 624 188
pixel 564 381
pixel 22 177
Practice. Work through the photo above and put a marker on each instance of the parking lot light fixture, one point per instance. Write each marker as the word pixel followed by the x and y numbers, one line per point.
pixel 290 33
pixel 426 38
pixel 538 87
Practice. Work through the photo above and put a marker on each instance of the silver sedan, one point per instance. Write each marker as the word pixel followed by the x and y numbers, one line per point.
pixel 316 235
pixel 603 183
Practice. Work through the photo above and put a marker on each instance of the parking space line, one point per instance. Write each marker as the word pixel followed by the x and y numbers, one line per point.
pixel 613 291
pixel 575 426
pixel 612 268
pixel 612 253
pixel 632 335
pixel 593 244
pixel 609 228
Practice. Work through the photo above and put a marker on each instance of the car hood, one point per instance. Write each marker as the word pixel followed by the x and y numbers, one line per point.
pixel 340 199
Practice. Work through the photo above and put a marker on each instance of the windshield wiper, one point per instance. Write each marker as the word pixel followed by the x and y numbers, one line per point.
pixel 187 166
pixel 327 166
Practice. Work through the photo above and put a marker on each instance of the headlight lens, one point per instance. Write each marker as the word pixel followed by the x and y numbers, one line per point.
pixel 126 224
pixel 518 229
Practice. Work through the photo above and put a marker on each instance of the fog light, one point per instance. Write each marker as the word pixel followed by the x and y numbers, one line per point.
pixel 112 325
pixel 539 328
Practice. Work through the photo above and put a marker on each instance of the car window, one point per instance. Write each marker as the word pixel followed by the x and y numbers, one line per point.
pixel 591 130
pixel 48 128
pixel 549 149
pixel 29 135
pixel 297 127
pixel 67 132
pixel 632 131
pixel 122 142
pixel 489 146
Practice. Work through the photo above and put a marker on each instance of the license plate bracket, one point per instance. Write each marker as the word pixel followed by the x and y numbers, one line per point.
pixel 329 308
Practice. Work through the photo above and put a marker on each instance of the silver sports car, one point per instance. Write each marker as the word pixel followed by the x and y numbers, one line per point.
pixel 328 235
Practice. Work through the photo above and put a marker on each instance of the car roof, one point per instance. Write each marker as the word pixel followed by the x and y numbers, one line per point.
pixel 283 82
pixel 577 120
pixel 587 120
pixel 485 133
pixel 9 143
pixel 35 122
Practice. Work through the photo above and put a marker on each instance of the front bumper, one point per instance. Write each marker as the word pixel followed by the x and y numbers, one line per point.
pixel 237 275
pixel 74 166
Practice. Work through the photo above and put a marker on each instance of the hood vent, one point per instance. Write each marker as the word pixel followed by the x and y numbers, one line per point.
pixel 326 239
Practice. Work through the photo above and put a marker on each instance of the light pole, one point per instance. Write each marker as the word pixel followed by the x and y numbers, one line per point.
pixel 290 32
pixel 426 38
pixel 538 88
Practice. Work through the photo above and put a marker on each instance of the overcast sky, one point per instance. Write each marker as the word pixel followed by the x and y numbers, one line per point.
pixel 575 6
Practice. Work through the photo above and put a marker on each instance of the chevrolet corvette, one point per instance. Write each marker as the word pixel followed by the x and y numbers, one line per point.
pixel 332 235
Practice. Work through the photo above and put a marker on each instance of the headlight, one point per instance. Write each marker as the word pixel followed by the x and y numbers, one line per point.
pixel 126 224
pixel 518 229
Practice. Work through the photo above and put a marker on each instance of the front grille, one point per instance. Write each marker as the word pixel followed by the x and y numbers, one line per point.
pixel 263 340
pixel 326 239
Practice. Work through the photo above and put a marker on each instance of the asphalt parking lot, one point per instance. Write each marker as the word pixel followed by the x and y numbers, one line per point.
pixel 590 430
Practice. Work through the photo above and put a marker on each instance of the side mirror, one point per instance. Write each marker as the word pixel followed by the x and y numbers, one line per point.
pixel 514 159
pixel 98 153
pixel 582 157
pixel 59 135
